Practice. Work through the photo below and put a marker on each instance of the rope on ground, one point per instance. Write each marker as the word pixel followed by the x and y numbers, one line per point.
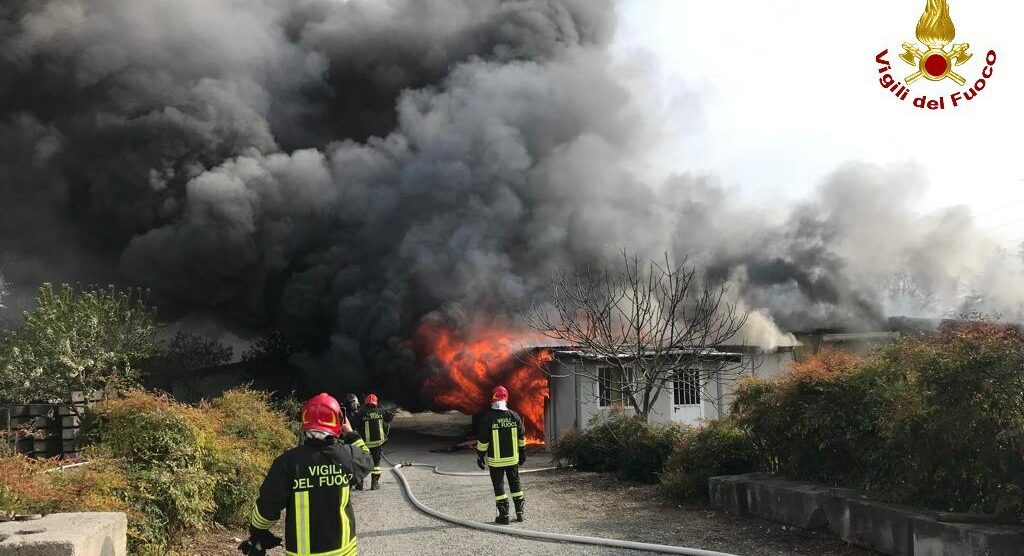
pixel 539 535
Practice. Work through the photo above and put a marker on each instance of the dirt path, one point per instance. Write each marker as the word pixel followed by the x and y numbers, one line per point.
pixel 559 501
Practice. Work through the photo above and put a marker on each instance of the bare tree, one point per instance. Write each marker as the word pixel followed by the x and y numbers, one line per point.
pixel 652 322
pixel 907 293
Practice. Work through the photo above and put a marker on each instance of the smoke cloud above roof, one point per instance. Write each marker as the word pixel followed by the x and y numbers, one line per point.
pixel 343 170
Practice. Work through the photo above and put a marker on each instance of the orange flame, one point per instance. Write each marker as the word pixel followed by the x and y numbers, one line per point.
pixel 473 363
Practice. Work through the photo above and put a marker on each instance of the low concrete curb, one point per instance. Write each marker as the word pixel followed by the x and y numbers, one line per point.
pixel 851 516
pixel 72 534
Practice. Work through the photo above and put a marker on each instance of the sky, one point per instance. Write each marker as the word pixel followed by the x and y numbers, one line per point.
pixel 772 96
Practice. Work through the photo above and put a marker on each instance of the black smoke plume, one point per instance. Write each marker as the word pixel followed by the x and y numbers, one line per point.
pixel 342 170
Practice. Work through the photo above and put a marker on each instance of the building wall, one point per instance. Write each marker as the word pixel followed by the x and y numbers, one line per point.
pixel 574 400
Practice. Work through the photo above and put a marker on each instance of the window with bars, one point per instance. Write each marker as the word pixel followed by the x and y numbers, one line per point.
pixel 609 386
pixel 686 388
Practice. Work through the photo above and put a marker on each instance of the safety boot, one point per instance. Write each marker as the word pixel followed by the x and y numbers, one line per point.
pixel 520 503
pixel 374 482
pixel 502 518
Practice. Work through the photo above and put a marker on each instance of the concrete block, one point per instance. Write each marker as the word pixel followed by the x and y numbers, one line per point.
pixel 934 538
pixel 882 527
pixel 72 534
pixel 729 493
pixel 850 515
pixel 794 503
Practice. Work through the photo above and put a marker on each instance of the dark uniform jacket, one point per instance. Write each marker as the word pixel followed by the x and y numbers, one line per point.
pixel 374 425
pixel 311 483
pixel 501 436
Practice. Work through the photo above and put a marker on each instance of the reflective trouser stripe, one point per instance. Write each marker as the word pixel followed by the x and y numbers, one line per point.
pixel 517 494
pixel 376 470
pixel 345 525
pixel 302 544
pixel 502 497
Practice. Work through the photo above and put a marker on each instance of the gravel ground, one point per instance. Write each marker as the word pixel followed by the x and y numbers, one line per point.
pixel 558 501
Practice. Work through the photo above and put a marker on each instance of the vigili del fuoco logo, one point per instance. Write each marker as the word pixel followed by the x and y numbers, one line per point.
pixel 935 59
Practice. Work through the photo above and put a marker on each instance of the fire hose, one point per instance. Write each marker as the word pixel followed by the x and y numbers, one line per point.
pixel 527 533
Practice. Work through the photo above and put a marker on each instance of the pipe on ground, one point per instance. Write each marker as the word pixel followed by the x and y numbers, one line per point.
pixel 538 535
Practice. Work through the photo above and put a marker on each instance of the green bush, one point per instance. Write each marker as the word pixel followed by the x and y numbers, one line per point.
pixel 718 448
pixel 76 340
pixel 932 421
pixel 187 467
pixel 616 442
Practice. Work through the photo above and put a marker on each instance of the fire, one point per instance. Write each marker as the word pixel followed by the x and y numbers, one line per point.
pixel 473 363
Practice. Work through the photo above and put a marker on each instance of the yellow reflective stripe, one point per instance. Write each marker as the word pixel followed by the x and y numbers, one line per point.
pixel 502 497
pixel 302 522
pixel 517 494
pixel 260 522
pixel 482 446
pixel 366 431
pixel 502 462
pixel 496 442
pixel 380 424
pixel 346 527
pixel 515 449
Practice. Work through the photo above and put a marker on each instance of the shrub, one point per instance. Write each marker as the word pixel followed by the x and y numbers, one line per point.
pixel 187 467
pixel 251 416
pixel 621 443
pixel 718 448
pixel 76 340
pixel 932 421
pixel 27 487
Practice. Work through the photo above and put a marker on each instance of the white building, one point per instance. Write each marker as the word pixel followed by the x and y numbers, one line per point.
pixel 582 387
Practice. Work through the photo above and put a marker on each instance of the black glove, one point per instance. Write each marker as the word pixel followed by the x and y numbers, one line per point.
pixel 522 457
pixel 480 460
pixel 259 542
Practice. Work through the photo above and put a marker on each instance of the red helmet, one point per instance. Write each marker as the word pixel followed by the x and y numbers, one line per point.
pixel 499 394
pixel 371 399
pixel 321 413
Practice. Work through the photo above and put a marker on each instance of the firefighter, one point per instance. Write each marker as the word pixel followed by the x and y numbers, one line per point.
pixel 351 405
pixel 311 482
pixel 375 424
pixel 501 445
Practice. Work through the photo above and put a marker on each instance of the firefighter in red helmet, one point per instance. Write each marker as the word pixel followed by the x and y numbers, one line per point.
pixel 501 445
pixel 311 484
pixel 374 424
